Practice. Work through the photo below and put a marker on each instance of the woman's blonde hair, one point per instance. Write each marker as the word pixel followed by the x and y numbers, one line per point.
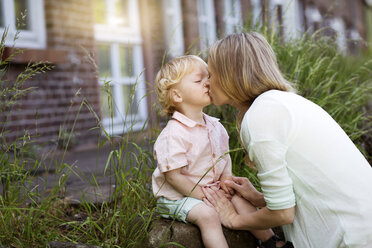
pixel 170 74
pixel 246 67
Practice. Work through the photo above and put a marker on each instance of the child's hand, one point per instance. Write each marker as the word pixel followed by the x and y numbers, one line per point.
pixel 227 195
pixel 228 190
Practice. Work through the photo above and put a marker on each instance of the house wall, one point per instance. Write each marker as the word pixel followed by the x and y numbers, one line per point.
pixel 57 99
pixel 153 47
pixel 190 26
pixel 71 47
pixel 351 11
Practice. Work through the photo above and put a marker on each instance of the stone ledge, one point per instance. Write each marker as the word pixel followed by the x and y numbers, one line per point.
pixel 57 244
pixel 164 231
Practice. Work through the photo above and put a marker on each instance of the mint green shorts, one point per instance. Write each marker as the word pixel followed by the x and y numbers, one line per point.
pixel 178 209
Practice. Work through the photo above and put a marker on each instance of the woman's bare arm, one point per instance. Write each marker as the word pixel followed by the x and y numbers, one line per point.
pixel 261 219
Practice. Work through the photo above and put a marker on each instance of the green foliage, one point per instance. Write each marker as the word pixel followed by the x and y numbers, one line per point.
pixel 340 84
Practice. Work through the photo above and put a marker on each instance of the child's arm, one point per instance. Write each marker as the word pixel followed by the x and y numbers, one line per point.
pixel 183 185
pixel 227 175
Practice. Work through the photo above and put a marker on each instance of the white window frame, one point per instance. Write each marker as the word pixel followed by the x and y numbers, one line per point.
pixel 292 25
pixel 338 25
pixel 232 16
pixel 273 13
pixel 256 12
pixel 312 15
pixel 301 15
pixel 355 35
pixel 125 34
pixel 33 38
pixel 207 37
pixel 130 36
pixel 173 29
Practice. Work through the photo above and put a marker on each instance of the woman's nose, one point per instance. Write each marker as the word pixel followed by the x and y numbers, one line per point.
pixel 206 83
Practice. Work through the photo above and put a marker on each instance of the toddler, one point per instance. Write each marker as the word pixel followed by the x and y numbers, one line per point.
pixel 191 151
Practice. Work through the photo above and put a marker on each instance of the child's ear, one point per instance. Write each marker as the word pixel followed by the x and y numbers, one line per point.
pixel 176 96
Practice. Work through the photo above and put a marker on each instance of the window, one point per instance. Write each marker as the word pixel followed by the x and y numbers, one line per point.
pixel 173 27
pixel 354 40
pixel 119 54
pixel 26 16
pixel 256 12
pixel 313 18
pixel 275 16
pixel 288 14
pixel 232 16
pixel 207 24
pixel 301 15
pixel 337 24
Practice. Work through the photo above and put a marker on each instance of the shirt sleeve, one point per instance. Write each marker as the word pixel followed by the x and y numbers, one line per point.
pixel 170 152
pixel 265 133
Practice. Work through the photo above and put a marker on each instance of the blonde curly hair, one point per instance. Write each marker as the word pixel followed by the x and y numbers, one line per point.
pixel 170 74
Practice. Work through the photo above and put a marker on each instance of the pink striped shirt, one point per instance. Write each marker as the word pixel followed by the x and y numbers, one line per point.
pixel 196 148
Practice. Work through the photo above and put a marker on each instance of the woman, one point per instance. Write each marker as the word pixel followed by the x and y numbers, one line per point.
pixel 315 182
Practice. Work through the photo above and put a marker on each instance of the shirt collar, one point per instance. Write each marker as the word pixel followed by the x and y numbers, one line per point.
pixel 191 123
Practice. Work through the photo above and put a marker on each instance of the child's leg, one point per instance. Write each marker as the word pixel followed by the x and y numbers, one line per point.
pixel 206 218
pixel 243 206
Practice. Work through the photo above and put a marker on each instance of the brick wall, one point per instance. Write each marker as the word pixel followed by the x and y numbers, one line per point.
pixel 59 93
pixel 152 31
pixel 190 26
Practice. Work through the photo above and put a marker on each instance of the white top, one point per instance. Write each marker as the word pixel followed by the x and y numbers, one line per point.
pixel 305 159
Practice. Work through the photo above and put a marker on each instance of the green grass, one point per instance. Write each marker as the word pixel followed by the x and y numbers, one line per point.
pixel 30 218
pixel 341 85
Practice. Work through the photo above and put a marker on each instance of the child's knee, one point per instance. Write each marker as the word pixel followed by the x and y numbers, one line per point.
pixel 207 216
pixel 242 206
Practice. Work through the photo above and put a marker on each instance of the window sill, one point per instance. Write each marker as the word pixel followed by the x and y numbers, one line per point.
pixel 35 55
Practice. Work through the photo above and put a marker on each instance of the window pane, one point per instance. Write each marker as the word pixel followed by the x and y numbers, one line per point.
pixel 107 102
pixel 100 11
pixel 126 62
pixel 130 99
pixel 1 14
pixel 21 14
pixel 104 60
pixel 169 3
pixel 229 8
pixel 205 34
pixel 204 7
pixel 121 13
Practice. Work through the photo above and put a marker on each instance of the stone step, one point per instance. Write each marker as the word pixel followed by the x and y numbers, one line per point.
pixel 165 231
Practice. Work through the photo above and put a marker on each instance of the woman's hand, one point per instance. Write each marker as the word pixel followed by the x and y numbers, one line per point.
pixel 226 188
pixel 256 220
pixel 216 198
pixel 245 188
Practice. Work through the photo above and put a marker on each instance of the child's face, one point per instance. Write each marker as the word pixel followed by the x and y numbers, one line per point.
pixel 217 94
pixel 193 88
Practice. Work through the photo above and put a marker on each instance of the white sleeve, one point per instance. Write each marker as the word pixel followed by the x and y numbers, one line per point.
pixel 265 133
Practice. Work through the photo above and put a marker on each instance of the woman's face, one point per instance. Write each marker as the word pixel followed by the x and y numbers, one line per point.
pixel 215 91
